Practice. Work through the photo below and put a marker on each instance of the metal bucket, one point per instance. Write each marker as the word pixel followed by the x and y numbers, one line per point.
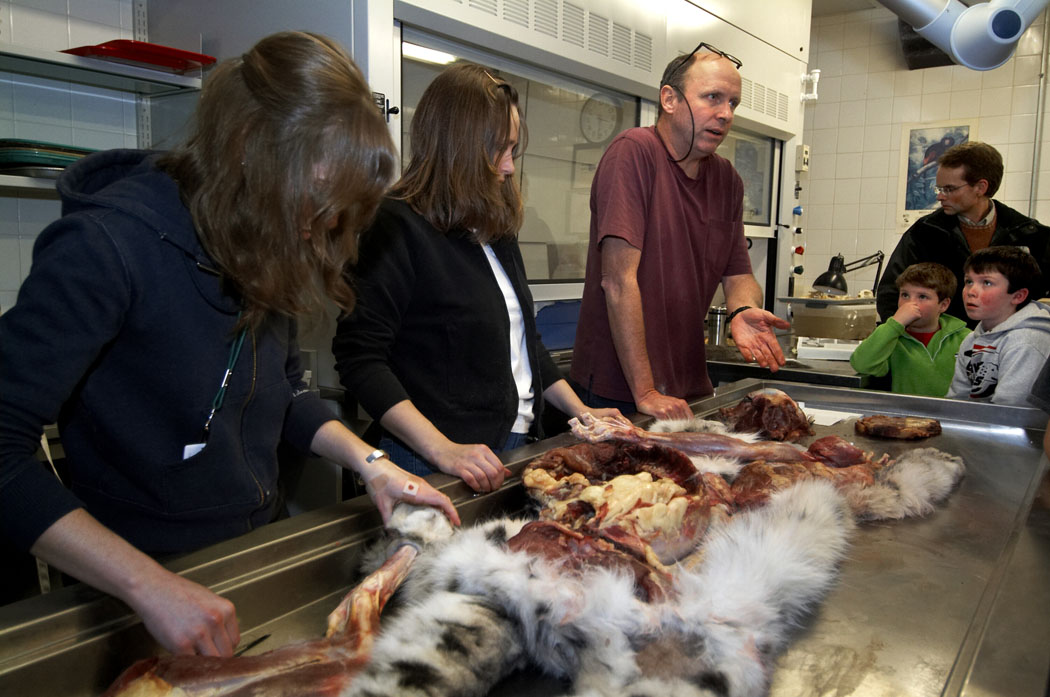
pixel 716 326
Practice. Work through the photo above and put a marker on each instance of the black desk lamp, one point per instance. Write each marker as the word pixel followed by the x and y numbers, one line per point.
pixel 833 281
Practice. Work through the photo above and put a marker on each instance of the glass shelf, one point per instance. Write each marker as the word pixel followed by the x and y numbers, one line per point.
pixel 54 65
pixel 42 187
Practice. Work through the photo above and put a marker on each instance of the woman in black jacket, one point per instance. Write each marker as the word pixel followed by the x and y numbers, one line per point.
pixel 157 328
pixel 442 348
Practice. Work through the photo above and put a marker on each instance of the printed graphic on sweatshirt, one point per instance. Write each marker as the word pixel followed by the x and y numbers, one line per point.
pixel 982 370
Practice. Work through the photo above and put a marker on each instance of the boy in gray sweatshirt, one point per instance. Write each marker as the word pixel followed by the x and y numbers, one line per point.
pixel 1000 360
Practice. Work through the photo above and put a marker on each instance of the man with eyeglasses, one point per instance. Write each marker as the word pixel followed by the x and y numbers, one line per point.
pixel 968 175
pixel 666 229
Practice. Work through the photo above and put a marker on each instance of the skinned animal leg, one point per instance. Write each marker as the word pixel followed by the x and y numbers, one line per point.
pixel 359 611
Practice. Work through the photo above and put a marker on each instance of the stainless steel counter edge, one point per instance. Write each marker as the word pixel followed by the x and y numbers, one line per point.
pixel 41 625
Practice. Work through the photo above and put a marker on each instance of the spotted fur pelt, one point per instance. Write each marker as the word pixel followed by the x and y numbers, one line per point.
pixel 475 611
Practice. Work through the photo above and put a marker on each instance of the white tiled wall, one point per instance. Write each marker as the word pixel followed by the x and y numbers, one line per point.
pixel 57 112
pixel 866 92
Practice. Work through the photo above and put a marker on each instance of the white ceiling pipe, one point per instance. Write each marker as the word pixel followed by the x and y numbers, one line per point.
pixel 980 37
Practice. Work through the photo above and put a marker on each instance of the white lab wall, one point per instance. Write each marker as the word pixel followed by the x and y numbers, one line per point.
pixel 852 191
pixel 784 24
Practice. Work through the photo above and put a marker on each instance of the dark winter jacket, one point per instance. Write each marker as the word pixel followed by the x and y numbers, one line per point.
pixel 431 325
pixel 121 334
pixel 936 237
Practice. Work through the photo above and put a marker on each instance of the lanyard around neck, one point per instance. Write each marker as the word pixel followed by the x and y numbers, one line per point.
pixel 231 361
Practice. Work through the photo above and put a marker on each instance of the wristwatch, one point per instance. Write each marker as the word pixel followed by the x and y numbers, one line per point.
pixel 375 455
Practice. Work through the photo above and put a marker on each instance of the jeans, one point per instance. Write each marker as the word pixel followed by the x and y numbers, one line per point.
pixel 408 460
pixel 599 402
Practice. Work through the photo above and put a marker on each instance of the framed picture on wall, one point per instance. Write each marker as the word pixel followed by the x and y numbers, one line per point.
pixel 921 145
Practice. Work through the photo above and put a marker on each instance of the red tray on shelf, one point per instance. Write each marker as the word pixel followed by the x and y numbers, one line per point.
pixel 145 54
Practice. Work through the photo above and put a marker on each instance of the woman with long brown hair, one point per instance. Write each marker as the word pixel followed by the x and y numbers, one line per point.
pixel 157 327
pixel 442 348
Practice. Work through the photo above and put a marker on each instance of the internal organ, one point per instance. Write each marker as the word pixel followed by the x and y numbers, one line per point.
pixel 648 500
pixel 837 452
pixel 770 412
pixel 599 460
pixel 652 502
pixel 575 551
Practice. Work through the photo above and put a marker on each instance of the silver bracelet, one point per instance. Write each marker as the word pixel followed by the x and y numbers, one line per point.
pixel 375 455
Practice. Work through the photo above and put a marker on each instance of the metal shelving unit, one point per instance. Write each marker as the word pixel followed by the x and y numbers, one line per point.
pixel 54 65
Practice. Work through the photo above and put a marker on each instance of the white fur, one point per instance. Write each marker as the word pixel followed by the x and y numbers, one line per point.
pixel 909 486
pixel 699 425
pixel 761 571
pixel 424 523
pixel 728 467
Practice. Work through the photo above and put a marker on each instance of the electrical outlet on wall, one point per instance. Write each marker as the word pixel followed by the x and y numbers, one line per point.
pixel 802 158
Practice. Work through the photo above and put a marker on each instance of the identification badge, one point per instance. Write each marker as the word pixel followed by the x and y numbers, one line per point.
pixel 191 449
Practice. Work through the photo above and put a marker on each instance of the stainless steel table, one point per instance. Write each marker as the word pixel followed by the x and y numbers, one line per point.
pixel 957 603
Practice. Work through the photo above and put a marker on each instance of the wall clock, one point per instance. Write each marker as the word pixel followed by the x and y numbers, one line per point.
pixel 600 118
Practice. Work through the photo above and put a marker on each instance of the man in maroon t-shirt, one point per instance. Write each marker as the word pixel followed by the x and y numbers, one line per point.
pixel 666 229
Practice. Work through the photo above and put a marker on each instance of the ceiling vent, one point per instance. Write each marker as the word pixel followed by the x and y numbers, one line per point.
pixel 918 52
pixel 571 23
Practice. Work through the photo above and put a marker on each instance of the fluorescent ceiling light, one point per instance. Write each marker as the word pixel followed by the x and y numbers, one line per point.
pixel 427 55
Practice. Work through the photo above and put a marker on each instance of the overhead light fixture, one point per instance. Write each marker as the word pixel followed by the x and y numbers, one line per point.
pixel 833 281
pixel 427 55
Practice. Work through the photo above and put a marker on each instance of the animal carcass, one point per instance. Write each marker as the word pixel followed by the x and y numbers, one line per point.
pixel 770 412
pixel 587 593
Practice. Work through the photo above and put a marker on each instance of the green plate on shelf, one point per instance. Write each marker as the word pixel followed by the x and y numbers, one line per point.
pixel 15 152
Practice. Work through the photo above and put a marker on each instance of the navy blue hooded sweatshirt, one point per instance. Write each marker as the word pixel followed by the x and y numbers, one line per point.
pixel 121 334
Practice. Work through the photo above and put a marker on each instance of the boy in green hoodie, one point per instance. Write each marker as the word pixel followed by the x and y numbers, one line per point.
pixel 918 344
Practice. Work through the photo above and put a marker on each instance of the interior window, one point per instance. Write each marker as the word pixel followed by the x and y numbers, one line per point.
pixel 752 156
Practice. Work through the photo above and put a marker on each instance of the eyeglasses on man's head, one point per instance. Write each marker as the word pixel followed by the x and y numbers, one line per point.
pixel 717 51
pixel 948 190
pixel 703 45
